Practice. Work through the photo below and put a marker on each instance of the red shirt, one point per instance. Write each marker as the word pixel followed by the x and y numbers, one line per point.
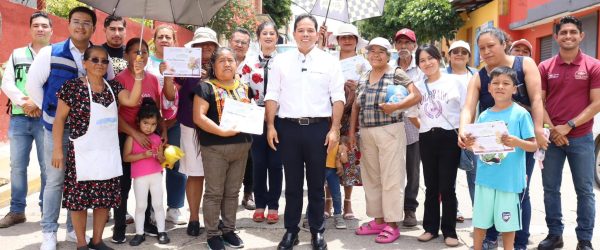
pixel 567 87
pixel 149 89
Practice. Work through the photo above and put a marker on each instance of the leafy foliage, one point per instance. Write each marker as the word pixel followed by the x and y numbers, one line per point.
pixel 430 19
pixel 279 10
pixel 233 14
pixel 61 8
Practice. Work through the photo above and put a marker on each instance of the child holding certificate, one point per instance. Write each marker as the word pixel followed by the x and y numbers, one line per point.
pixel 501 176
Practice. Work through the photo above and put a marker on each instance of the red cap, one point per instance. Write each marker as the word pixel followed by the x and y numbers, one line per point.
pixel 522 42
pixel 407 33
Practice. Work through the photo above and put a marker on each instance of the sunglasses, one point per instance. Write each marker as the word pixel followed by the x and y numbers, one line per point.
pixel 97 60
pixel 463 52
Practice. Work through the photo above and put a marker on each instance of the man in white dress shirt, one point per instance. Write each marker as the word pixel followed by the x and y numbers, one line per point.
pixel 306 90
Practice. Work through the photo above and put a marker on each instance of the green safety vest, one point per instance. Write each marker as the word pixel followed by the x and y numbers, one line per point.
pixel 21 59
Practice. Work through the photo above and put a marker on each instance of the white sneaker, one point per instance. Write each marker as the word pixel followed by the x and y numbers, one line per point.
pixel 49 241
pixel 72 237
pixel 174 215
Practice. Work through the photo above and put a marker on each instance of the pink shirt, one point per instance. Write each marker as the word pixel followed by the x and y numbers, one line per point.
pixel 149 89
pixel 568 88
pixel 149 165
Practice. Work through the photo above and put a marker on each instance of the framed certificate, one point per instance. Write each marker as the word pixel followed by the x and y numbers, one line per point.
pixel 183 62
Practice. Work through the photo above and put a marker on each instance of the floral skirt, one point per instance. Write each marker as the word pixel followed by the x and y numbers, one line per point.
pixel 351 176
pixel 81 195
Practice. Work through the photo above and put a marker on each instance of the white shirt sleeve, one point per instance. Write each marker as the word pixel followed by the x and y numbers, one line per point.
pixel 336 86
pixel 274 86
pixel 9 86
pixel 38 75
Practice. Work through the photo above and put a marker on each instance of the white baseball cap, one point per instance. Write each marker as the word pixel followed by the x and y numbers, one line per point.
pixel 380 41
pixel 460 44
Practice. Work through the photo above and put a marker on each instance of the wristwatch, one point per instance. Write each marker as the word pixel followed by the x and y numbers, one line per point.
pixel 571 123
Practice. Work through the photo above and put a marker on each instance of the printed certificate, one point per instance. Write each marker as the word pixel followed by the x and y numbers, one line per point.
pixel 244 117
pixel 488 137
pixel 183 62
pixel 352 68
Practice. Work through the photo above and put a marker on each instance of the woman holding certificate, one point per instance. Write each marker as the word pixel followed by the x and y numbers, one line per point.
pixel 224 151
pixel 439 112
pixel 191 163
pixel 353 66
pixel 382 141
pixel 267 166
pixel 165 36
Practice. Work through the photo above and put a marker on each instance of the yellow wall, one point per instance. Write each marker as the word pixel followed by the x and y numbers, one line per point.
pixel 488 12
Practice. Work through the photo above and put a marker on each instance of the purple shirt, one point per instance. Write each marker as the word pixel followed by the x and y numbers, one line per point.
pixel 186 100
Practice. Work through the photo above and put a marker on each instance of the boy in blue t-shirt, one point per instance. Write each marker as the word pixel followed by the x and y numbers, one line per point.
pixel 501 177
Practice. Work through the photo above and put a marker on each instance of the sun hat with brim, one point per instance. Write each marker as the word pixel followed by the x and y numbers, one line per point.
pixel 347 29
pixel 460 44
pixel 522 42
pixel 203 35
pixel 380 41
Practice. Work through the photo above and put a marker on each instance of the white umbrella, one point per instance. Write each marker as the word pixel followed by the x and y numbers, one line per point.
pixel 343 10
pixel 194 12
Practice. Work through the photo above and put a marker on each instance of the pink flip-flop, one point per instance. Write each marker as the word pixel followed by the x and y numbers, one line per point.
pixel 388 235
pixel 370 228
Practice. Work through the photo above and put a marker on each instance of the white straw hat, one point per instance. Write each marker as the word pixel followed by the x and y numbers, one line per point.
pixel 348 29
pixel 203 35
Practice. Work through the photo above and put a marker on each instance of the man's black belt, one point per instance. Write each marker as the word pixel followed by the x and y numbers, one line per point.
pixel 307 120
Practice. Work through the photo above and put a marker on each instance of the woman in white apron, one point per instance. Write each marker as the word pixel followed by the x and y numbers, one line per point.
pixel 88 106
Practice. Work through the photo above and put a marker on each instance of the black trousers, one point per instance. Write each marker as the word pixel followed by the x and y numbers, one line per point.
pixel 440 155
pixel 301 147
pixel 248 180
pixel 413 174
pixel 125 179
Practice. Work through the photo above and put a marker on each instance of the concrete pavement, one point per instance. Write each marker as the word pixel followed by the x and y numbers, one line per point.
pixel 264 236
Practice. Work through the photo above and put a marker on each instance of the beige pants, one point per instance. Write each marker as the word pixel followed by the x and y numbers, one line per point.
pixel 383 170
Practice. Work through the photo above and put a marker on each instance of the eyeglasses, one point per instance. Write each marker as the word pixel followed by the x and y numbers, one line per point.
pixel 85 24
pixel 240 42
pixel 97 60
pixel 456 52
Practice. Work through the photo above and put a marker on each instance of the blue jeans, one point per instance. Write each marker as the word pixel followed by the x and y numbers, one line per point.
pixel 55 179
pixel 521 236
pixel 333 183
pixel 175 181
pixel 580 154
pixel 267 164
pixel 22 132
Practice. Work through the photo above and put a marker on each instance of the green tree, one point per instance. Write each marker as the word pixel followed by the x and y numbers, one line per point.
pixel 279 10
pixel 233 14
pixel 61 8
pixel 431 20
